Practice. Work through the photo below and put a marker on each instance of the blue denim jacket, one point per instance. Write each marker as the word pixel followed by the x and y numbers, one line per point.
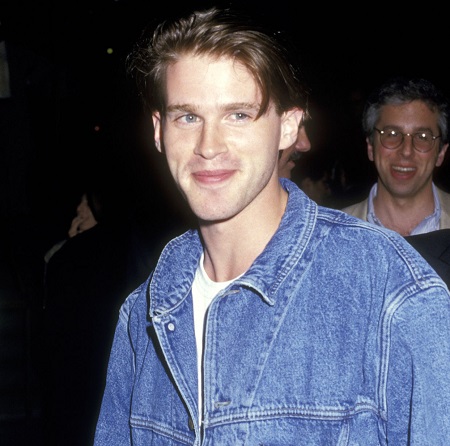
pixel 338 334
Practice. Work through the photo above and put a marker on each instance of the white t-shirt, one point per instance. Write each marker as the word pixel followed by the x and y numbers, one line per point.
pixel 203 292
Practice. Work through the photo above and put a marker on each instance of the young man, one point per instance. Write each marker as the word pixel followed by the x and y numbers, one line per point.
pixel 406 125
pixel 276 322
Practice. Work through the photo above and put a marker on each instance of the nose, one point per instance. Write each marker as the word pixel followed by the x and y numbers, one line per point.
pixel 211 142
pixel 407 145
pixel 303 144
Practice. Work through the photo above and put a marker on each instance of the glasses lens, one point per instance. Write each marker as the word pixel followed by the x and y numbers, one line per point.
pixel 391 139
pixel 423 141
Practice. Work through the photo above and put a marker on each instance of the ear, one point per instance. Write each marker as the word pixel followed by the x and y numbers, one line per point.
pixel 370 154
pixel 156 117
pixel 441 155
pixel 290 121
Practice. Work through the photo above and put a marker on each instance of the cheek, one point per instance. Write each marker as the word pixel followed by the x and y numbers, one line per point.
pixel 381 157
pixel 270 158
pixel 171 161
pixel 173 165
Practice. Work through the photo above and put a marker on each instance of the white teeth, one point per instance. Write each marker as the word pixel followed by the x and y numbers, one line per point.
pixel 404 169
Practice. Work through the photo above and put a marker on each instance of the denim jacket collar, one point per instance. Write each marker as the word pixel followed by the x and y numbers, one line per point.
pixel 266 273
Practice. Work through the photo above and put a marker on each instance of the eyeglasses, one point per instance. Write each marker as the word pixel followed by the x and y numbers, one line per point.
pixel 392 139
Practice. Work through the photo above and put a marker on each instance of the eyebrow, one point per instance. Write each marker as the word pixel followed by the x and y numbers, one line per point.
pixel 226 107
pixel 415 130
pixel 180 107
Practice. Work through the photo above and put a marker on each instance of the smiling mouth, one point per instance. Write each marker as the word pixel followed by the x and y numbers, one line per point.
pixel 212 176
pixel 403 169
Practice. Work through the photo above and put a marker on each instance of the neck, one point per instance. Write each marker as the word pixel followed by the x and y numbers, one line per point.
pixel 231 246
pixel 403 213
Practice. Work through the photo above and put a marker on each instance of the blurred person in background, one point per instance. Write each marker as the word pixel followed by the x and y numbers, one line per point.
pixel 313 175
pixel 83 220
pixel 85 282
pixel 289 157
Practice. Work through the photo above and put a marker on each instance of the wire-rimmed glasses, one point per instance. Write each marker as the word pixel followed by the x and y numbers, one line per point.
pixel 422 141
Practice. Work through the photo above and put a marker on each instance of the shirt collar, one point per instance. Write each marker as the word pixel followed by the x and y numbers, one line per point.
pixel 428 224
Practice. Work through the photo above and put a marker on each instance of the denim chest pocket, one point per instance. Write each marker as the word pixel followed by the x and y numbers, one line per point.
pixel 361 429
pixel 150 432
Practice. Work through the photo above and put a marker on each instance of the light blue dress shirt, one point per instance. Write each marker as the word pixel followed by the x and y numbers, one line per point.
pixel 428 224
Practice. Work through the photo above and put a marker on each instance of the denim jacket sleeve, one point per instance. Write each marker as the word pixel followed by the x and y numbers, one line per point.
pixel 419 370
pixel 118 390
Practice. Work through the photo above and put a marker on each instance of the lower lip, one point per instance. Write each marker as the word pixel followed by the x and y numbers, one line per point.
pixel 211 178
pixel 402 175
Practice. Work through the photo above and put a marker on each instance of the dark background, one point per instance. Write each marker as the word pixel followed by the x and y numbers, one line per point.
pixel 82 117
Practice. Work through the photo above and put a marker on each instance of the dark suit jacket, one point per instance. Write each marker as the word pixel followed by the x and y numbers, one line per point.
pixel 435 248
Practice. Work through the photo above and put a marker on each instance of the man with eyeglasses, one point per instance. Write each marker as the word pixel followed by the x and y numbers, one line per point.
pixel 406 125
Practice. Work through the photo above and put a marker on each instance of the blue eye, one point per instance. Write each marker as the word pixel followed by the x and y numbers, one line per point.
pixel 239 116
pixel 189 118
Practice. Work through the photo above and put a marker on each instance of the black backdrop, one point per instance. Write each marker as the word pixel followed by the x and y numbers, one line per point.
pixel 83 121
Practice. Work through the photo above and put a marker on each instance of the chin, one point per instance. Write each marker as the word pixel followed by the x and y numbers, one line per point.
pixel 209 216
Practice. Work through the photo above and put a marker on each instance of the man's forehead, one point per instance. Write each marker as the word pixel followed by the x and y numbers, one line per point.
pixel 209 59
pixel 199 80
pixel 414 111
